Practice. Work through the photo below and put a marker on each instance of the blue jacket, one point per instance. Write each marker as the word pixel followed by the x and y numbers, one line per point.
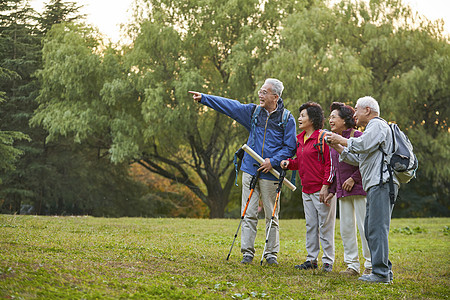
pixel 271 139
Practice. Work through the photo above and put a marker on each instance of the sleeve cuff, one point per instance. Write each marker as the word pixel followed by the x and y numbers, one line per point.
pixel 343 154
pixel 349 143
pixel 291 164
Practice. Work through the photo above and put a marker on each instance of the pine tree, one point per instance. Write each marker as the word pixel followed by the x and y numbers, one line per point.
pixel 21 51
pixel 51 177
pixel 58 11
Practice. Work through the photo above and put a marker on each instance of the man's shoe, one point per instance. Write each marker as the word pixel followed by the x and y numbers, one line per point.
pixel 349 272
pixel 367 271
pixel 272 261
pixel 374 278
pixel 307 265
pixel 247 259
pixel 327 267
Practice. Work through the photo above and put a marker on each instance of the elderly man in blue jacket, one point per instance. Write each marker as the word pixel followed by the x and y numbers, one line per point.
pixel 273 137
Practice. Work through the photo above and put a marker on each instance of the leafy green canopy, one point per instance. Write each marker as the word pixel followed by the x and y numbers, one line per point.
pixel 15 86
pixel 136 107
pixel 8 152
pixel 51 177
pixel 380 49
pixel 133 104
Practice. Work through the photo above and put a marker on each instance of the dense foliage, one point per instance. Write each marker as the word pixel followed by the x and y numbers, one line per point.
pixel 60 177
pixel 95 109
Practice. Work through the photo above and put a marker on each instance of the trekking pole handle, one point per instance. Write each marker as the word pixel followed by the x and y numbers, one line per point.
pixel 254 178
pixel 281 179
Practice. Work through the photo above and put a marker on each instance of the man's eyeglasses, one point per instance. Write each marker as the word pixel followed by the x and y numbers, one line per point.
pixel 264 93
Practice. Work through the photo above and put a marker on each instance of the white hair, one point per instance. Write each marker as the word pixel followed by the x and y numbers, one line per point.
pixel 369 102
pixel 277 86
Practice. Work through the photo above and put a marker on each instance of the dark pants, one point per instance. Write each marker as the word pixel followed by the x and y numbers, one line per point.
pixel 376 225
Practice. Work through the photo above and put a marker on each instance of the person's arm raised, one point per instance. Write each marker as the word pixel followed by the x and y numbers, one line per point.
pixel 196 95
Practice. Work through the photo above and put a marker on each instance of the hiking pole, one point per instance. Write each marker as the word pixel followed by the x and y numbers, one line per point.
pixel 252 187
pixel 280 183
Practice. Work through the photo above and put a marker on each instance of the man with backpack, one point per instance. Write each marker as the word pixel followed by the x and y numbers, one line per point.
pixel 372 151
pixel 272 135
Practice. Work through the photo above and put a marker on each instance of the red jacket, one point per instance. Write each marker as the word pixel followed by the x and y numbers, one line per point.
pixel 313 171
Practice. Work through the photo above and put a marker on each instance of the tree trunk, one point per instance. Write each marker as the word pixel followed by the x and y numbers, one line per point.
pixel 217 204
pixel 217 197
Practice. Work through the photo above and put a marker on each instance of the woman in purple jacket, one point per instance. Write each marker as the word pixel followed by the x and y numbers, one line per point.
pixel 347 186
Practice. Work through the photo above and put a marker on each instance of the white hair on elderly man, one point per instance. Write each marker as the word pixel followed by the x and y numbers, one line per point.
pixel 277 86
pixel 369 102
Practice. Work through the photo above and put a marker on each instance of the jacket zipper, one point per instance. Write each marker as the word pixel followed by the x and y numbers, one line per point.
pixel 264 139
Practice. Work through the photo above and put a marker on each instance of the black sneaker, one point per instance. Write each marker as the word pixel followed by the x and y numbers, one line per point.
pixel 247 259
pixel 272 261
pixel 307 265
pixel 327 267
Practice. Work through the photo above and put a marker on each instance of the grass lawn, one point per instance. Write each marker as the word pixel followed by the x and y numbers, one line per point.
pixel 92 258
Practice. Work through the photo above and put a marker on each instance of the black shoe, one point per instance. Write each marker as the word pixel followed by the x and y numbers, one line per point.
pixel 327 267
pixel 247 259
pixel 307 265
pixel 272 261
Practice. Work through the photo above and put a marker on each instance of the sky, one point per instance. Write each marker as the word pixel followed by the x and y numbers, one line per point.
pixel 107 15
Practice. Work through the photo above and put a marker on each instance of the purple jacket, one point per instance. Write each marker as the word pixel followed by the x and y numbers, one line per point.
pixel 343 171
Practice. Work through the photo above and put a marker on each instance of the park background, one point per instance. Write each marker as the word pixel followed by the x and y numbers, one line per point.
pixel 92 127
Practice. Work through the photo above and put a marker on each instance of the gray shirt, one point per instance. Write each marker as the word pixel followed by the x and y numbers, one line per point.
pixel 364 152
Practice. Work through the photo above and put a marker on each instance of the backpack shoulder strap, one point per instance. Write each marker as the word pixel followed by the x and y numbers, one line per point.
pixel 380 118
pixel 285 118
pixel 253 122
pixel 321 137
pixel 319 146
pixel 391 126
pixel 255 114
pixel 388 165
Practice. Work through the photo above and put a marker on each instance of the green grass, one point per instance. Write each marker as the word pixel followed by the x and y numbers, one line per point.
pixel 92 258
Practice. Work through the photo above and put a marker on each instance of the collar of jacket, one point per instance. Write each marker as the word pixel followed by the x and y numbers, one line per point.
pixel 346 132
pixel 314 135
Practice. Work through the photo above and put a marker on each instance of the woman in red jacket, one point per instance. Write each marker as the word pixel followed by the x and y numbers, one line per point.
pixel 316 176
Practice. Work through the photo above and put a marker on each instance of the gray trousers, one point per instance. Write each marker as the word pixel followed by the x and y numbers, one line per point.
pixel 352 212
pixel 266 190
pixel 376 225
pixel 320 220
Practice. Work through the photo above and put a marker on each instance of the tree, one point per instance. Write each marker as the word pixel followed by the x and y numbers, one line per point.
pixel 52 177
pixel 132 105
pixel 20 54
pixel 143 111
pixel 8 152
pixel 58 11
pixel 202 45
pixel 380 49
